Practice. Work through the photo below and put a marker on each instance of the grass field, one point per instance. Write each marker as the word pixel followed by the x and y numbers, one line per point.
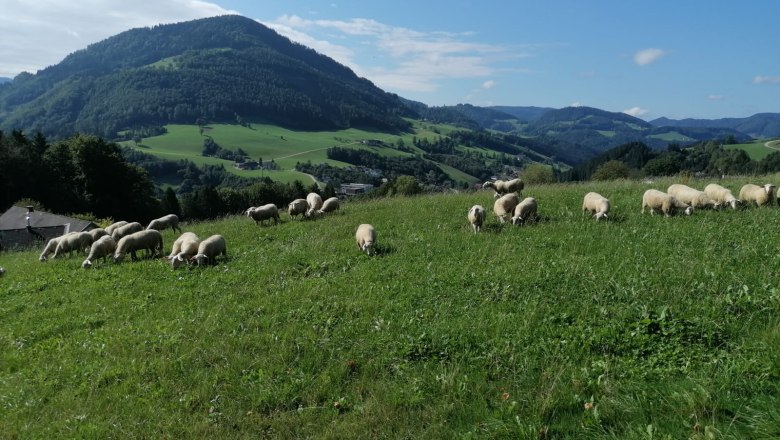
pixel 756 150
pixel 640 327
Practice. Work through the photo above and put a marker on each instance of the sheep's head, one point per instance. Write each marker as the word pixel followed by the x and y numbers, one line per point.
pixel 177 261
pixel 368 247
pixel 2 271
pixel 118 257
pixel 42 259
pixel 488 184
pixel 517 221
pixel 200 259
pixel 769 188
pixel 600 215
pixel 689 210
pixel 86 264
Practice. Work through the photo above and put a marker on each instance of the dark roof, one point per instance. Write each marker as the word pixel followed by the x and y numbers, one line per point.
pixel 13 226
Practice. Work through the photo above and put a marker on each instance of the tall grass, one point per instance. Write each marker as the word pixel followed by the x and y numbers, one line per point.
pixel 638 327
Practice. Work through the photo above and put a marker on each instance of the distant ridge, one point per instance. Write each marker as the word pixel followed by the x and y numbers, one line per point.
pixel 760 125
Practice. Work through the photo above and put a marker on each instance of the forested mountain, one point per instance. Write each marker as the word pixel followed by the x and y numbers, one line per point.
pixel 4 79
pixel 527 114
pixel 227 68
pixel 760 125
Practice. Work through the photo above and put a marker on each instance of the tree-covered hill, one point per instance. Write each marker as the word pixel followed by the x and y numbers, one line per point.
pixel 227 68
pixel 760 125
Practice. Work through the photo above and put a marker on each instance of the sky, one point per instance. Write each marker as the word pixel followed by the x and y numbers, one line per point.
pixel 674 58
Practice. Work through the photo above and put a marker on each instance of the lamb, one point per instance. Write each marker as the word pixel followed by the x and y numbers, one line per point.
pixel 148 239
pixel 476 217
pixel 184 248
pixel 209 249
pixel 655 199
pixel 505 206
pixel 314 202
pixel 165 222
pixel 697 199
pixel 329 205
pixel 78 241
pixel 596 204
pixel 365 236
pixel 722 195
pixel 50 247
pixel 760 195
pixel 102 248
pixel 266 212
pixel 114 226
pixel 126 230
pixel 297 207
pixel 525 210
pixel 504 187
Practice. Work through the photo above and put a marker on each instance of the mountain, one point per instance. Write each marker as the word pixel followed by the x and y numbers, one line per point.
pixel 527 114
pixel 4 79
pixel 227 68
pixel 760 125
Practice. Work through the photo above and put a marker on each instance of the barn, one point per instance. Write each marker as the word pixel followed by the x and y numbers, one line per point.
pixel 23 227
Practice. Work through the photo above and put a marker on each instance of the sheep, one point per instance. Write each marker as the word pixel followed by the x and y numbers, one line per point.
pixel 114 226
pixel 476 217
pixel 50 247
pixel 329 205
pixel 504 187
pixel 79 241
pixel 505 206
pixel 209 249
pixel 596 204
pixel 183 249
pixel 148 239
pixel 2 271
pixel 722 195
pixel 524 210
pixel 365 236
pixel 266 212
pixel 314 202
pixel 165 222
pixel 297 207
pixel 760 195
pixel 126 230
pixel 97 233
pixel 655 199
pixel 697 199
pixel 102 248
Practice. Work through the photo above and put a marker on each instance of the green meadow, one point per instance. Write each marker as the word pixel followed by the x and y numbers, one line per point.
pixel 756 150
pixel 639 327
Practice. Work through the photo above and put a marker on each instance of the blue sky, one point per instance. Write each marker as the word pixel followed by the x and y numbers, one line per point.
pixel 701 59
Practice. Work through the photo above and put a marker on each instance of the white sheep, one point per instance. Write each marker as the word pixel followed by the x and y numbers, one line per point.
pixel 126 230
pixel 50 247
pixel 114 226
pixel 505 206
pixel 693 197
pixel 184 248
pixel 78 241
pixel 365 236
pixel 476 217
pixel 165 222
pixel 102 248
pixel 722 195
pixel 97 233
pixel 262 213
pixel 314 203
pixel 148 239
pixel 760 195
pixel 2 271
pixel 297 207
pixel 329 205
pixel 596 204
pixel 655 199
pixel 209 249
pixel 504 187
pixel 524 210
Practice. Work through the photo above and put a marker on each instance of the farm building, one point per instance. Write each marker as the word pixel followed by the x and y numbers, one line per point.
pixel 352 189
pixel 24 227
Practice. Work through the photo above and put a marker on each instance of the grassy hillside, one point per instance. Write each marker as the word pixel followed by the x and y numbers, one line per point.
pixel 639 327
pixel 756 150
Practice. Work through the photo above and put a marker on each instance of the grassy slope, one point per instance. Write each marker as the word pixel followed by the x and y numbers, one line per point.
pixel 669 326
pixel 756 150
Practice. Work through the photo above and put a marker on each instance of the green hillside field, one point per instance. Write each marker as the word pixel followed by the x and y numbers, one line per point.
pixel 756 150
pixel 634 328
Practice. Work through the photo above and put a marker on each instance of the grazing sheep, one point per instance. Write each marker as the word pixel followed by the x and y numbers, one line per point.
pixel 184 248
pixel 596 204
pixel 505 206
pixel 102 248
pixel 262 213
pixel 50 247
pixel 126 230
pixel 722 195
pixel 2 271
pixel 655 199
pixel 297 207
pixel 365 236
pixel 501 187
pixel 97 233
pixel 114 226
pixel 525 210
pixel 148 239
pixel 697 199
pixel 476 217
pixel 78 241
pixel 165 222
pixel 760 195
pixel 314 202
pixel 209 249
pixel 329 205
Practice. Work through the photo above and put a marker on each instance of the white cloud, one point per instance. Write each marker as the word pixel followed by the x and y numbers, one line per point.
pixel 766 80
pixel 575 104
pixel 489 84
pixel 648 56
pixel 635 111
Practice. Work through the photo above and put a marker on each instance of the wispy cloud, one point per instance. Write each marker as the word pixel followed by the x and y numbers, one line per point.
pixel 766 80
pixel 635 111
pixel 648 56
pixel 716 97
pixel 489 84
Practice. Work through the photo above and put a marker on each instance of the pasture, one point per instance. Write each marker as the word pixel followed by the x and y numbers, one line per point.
pixel 756 150
pixel 640 327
